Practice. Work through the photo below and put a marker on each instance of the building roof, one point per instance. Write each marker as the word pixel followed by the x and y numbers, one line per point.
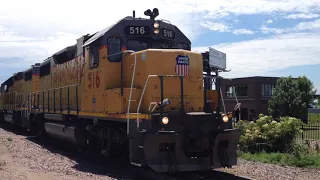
pixel 254 77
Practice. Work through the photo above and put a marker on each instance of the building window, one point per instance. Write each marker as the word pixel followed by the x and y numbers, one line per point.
pixel 229 91
pixel 237 90
pixel 267 90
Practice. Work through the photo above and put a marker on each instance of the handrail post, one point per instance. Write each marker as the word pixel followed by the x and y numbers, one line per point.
pixel 141 97
pixel 130 95
pixel 77 99
pixel 68 100
pixel 54 100
pixel 161 86
pixel 38 100
pixel 14 100
pixel 34 101
pixel 48 100
pixel 161 94
pixel 61 100
pixel 182 94
pixel 43 101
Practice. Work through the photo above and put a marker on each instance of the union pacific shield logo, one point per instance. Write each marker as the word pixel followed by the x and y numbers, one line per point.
pixel 182 65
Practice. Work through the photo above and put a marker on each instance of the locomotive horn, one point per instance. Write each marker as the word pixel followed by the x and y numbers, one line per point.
pixel 155 12
pixel 148 12
pixel 152 14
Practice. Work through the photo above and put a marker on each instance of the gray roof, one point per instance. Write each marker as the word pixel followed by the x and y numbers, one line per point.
pixel 99 34
pixel 73 47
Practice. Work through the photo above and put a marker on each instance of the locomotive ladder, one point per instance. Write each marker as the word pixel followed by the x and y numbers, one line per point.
pixel 29 105
pixel 22 104
pixel 130 95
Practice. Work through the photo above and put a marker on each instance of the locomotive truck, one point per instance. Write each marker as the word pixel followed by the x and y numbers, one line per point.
pixel 135 90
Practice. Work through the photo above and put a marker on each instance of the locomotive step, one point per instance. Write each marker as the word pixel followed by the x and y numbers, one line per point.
pixel 139 160
pixel 136 164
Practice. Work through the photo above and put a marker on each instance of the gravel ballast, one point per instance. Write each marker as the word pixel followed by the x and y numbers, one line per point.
pixel 28 160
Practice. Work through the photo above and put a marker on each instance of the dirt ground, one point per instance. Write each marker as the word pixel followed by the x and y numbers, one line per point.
pixel 10 171
pixel 23 159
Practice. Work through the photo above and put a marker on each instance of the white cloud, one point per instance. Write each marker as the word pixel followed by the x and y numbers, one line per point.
pixel 266 30
pixel 270 21
pixel 311 25
pixel 262 56
pixel 35 32
pixel 242 31
pixel 250 7
pixel 302 26
pixel 220 27
pixel 37 50
pixel 302 16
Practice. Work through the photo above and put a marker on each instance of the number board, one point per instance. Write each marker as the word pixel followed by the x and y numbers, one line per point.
pixel 166 33
pixel 137 30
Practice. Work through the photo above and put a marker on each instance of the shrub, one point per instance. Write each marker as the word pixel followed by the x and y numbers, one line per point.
pixel 268 134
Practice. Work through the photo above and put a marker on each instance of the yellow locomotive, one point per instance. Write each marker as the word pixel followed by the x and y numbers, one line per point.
pixel 133 89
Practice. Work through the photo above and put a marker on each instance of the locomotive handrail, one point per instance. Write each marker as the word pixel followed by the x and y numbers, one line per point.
pixel 144 88
pixel 224 107
pixel 54 104
pixel 161 81
pixel 23 100
pixel 130 95
pixel 11 99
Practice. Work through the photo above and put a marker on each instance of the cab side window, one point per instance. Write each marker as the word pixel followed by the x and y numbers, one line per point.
pixel 94 55
pixel 114 49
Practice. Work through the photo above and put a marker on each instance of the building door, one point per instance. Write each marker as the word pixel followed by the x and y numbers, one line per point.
pixel 244 114
pixel 252 114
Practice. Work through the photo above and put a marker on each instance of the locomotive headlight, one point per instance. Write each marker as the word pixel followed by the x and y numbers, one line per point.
pixel 225 118
pixel 165 120
pixel 156 25
pixel 156 31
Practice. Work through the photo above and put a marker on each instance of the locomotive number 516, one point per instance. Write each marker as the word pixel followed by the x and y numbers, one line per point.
pixel 94 80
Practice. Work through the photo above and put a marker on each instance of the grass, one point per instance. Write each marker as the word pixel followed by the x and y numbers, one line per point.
pixel 313 117
pixel 308 160
pixel 298 154
pixel 312 129
pixel 312 134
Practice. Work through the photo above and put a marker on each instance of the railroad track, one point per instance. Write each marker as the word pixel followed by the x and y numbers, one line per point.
pixel 89 161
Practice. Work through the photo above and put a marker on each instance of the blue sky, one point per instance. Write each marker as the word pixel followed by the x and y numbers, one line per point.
pixel 260 37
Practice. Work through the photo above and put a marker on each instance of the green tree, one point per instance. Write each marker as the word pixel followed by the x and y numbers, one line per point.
pixel 291 97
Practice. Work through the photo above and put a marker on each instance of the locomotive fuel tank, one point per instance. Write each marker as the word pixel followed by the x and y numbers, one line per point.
pixel 73 134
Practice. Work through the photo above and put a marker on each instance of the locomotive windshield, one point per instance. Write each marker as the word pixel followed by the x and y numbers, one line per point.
pixel 138 45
